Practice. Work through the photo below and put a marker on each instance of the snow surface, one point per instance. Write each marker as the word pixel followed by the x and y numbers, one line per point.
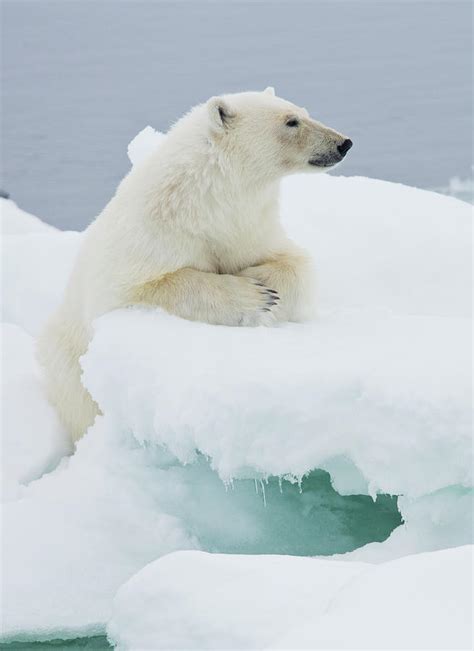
pixel 74 537
pixel 144 144
pixel 15 221
pixel 375 392
pixel 389 392
pixel 50 257
pixel 28 450
pixel 194 600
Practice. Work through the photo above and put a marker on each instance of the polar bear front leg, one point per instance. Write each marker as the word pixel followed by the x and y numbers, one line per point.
pixel 291 273
pixel 221 299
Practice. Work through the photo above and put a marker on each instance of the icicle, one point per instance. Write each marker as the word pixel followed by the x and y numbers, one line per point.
pixel 372 490
pixel 300 484
pixel 256 486
pixel 280 484
pixel 263 493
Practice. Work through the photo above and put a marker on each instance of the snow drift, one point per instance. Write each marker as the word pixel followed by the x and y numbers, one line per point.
pixel 300 439
pixel 36 262
pixel 32 439
pixel 193 600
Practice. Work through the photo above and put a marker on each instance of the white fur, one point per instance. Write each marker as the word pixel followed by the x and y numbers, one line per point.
pixel 194 229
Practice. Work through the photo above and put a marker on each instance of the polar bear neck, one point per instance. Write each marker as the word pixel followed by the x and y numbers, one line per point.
pixel 194 181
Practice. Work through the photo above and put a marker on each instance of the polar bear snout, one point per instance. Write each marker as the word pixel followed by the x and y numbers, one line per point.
pixel 331 153
pixel 344 148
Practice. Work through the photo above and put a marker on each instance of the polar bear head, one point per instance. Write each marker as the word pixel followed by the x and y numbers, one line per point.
pixel 270 136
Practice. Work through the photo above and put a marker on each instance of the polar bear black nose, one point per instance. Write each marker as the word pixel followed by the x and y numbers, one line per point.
pixel 344 148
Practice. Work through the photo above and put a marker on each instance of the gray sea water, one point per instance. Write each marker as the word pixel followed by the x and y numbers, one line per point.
pixel 80 79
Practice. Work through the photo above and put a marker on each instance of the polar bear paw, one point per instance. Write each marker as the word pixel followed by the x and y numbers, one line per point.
pixel 253 302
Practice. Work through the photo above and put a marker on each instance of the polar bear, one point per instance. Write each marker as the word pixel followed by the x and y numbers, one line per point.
pixel 195 230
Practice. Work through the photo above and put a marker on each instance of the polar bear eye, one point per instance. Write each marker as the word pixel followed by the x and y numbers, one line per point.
pixel 292 122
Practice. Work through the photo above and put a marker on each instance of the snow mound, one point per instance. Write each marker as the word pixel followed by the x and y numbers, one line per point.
pixel 18 222
pixel 144 144
pixel 76 535
pixel 36 268
pixel 193 600
pixel 422 601
pixel 390 393
pixel 28 451
pixel 382 245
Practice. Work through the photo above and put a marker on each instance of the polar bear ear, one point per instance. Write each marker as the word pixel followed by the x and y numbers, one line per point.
pixel 269 90
pixel 220 113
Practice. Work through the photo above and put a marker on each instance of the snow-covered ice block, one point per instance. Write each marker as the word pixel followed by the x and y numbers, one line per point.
pixel 391 394
pixel 36 268
pixel 15 221
pixel 193 600
pixel 423 601
pixel 33 442
pixel 144 144
pixel 79 533
pixel 383 245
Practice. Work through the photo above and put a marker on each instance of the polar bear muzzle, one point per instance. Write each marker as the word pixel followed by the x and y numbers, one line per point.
pixel 332 158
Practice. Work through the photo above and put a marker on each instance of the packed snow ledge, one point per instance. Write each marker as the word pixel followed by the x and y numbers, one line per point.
pixel 348 434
